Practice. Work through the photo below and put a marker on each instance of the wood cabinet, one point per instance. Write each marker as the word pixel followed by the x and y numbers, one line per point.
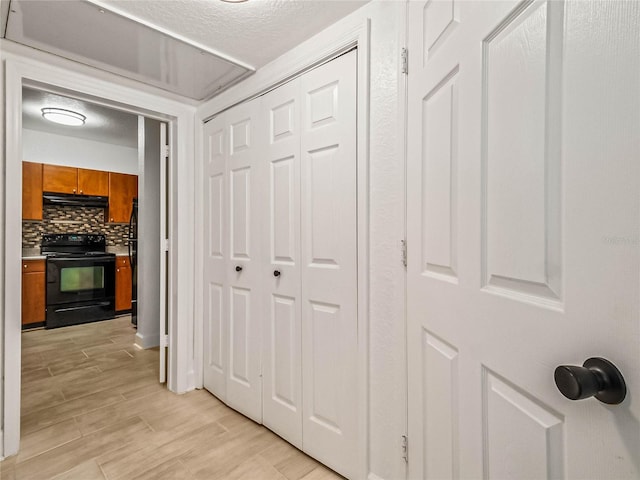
pixel 123 189
pixel 80 181
pixel 93 182
pixel 59 179
pixel 31 191
pixel 33 292
pixel 123 284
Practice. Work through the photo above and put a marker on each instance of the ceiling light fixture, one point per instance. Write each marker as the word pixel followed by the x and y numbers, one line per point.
pixel 64 117
pixel 234 1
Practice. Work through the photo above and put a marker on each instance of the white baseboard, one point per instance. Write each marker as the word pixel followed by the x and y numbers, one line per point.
pixel 147 341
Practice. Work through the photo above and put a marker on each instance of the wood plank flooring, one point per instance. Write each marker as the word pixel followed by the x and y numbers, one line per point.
pixel 92 408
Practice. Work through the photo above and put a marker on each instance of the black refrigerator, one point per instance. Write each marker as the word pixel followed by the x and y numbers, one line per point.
pixel 133 259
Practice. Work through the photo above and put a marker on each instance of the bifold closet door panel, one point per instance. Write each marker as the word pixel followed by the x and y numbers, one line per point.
pixel 216 254
pixel 282 361
pixel 329 264
pixel 243 270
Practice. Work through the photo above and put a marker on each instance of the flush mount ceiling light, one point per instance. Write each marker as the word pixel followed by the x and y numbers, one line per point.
pixel 64 117
pixel 234 1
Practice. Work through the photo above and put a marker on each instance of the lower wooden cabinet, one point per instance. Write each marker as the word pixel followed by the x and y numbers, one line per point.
pixel 33 292
pixel 123 284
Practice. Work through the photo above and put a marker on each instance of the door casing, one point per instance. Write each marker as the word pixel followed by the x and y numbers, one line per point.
pixel 24 67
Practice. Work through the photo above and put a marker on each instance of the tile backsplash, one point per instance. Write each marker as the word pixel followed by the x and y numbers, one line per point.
pixel 64 219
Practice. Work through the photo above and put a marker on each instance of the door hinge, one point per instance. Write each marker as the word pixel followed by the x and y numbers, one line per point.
pixel 166 151
pixel 403 252
pixel 405 448
pixel 165 245
pixel 164 341
pixel 404 58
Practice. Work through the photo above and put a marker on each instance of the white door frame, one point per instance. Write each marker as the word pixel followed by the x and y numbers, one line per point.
pixel 20 69
pixel 322 48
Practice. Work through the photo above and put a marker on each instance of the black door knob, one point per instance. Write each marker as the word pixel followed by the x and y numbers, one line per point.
pixel 276 273
pixel 238 268
pixel 597 377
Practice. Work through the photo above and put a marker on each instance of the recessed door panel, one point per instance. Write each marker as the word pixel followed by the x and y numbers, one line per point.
pixel 440 179
pixel 216 216
pixel 215 352
pixel 525 439
pixel 283 120
pixel 284 226
pixel 282 336
pixel 240 214
pixel 522 153
pixel 440 393
pixel 240 333
pixel 240 133
pixel 325 385
pixel 322 193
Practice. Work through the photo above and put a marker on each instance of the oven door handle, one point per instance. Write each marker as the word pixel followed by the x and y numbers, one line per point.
pixel 82 307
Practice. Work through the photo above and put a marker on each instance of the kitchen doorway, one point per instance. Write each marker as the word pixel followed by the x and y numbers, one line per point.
pixel 94 237
pixel 67 83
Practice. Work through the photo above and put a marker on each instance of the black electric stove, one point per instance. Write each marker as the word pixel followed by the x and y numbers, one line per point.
pixel 80 279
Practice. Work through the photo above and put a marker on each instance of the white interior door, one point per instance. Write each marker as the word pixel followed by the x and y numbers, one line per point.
pixel 282 356
pixel 215 331
pixel 523 198
pixel 243 270
pixel 329 264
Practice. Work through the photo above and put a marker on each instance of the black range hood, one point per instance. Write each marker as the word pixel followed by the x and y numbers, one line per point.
pixel 72 200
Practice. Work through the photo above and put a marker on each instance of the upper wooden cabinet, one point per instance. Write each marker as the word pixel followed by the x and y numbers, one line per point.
pixel 75 180
pixel 123 189
pixel 93 182
pixel 31 191
pixel 59 179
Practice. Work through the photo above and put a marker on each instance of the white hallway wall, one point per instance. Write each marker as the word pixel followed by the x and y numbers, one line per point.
pixel 387 390
pixel 54 149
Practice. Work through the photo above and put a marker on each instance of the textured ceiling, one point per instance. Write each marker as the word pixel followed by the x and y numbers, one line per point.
pixel 254 32
pixel 103 124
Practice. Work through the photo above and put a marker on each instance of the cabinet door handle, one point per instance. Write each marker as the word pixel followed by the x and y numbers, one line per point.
pixel 74 190
pixel 238 268
pixel 80 191
pixel 117 269
pixel 25 266
pixel 276 273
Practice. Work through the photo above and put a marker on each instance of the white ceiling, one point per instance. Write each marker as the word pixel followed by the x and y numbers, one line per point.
pixel 254 32
pixel 103 124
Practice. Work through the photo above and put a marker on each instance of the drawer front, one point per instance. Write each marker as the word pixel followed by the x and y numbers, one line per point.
pixel 29 266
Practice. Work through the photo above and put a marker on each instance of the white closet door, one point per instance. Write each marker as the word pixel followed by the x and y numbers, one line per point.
pixel 216 255
pixel 243 272
pixel 282 362
pixel 329 276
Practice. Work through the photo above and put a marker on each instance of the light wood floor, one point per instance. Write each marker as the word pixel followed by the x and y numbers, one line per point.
pixel 92 408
